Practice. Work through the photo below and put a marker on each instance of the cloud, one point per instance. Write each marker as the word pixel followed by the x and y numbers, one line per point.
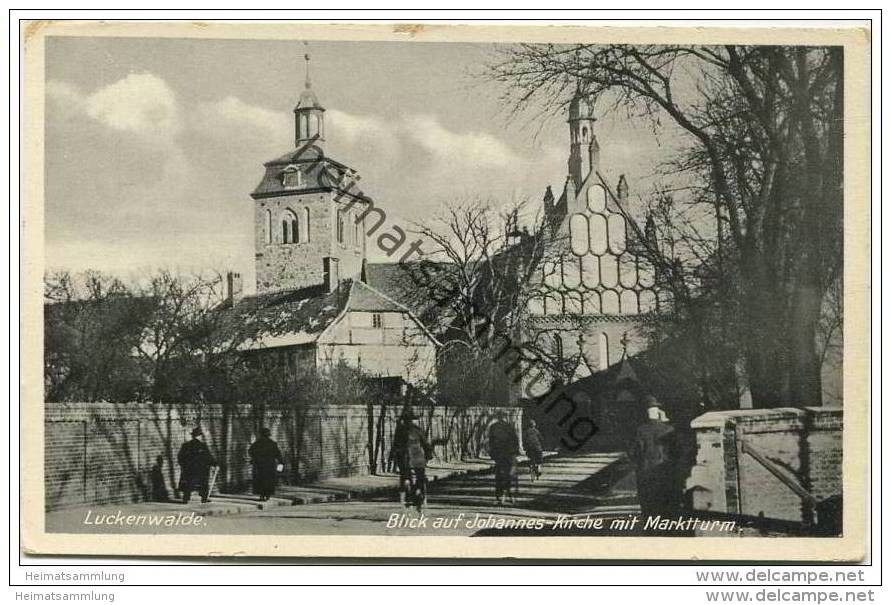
pixel 232 116
pixel 141 104
pixel 352 128
pixel 475 148
pixel 65 96
pixel 165 179
pixel 413 134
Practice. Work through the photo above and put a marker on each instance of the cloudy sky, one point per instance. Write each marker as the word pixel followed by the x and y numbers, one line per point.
pixel 154 145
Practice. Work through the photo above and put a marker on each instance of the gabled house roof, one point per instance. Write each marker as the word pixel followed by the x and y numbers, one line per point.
pixel 298 317
pixel 288 317
pixel 399 281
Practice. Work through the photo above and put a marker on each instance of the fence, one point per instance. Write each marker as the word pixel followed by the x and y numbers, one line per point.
pixel 99 453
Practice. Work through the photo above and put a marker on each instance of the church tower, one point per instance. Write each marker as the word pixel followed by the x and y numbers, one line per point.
pixel 308 210
pixel 597 290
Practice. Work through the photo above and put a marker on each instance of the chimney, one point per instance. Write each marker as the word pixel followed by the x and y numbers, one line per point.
pixel 331 266
pixel 234 287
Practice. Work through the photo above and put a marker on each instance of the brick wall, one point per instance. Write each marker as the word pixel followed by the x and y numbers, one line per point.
pixel 803 443
pixel 284 266
pixel 292 265
pixel 103 452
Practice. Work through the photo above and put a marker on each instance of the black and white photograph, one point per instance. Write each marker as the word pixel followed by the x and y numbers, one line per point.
pixel 314 291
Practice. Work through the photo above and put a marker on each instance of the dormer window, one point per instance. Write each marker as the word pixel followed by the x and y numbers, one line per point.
pixel 292 177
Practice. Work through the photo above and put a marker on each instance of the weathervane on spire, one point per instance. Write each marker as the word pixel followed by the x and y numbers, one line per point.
pixel 309 119
pixel 306 58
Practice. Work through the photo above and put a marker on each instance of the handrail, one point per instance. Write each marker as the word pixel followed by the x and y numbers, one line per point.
pixel 778 472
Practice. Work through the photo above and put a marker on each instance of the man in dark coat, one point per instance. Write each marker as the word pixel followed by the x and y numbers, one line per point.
pixel 532 444
pixel 654 453
pixel 504 445
pixel 195 461
pixel 411 450
pixel 266 460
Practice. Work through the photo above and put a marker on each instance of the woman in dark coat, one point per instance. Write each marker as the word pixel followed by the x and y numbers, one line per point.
pixel 266 459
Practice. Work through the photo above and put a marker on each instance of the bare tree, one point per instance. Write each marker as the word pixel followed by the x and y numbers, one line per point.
pixel 482 270
pixel 91 324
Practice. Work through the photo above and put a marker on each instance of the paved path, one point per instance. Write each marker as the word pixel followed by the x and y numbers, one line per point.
pixel 464 505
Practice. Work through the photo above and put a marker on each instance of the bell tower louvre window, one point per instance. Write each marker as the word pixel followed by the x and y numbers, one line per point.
pixel 290 228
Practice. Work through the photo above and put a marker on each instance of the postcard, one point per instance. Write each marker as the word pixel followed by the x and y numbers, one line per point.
pixel 501 291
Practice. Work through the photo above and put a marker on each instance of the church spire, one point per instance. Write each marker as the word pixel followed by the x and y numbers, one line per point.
pixel 309 119
pixel 307 83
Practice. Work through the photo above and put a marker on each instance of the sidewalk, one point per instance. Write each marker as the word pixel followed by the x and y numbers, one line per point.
pixel 223 504
pixel 369 486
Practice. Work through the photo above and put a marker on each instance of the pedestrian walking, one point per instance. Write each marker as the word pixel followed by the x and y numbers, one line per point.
pixel 532 443
pixel 504 446
pixel 411 450
pixel 195 461
pixel 654 453
pixel 266 463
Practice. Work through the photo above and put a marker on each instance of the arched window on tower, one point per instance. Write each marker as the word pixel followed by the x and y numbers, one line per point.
pixel 340 227
pixel 305 235
pixel 268 226
pixel 290 228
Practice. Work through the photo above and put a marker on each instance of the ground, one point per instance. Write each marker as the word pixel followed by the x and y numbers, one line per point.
pixel 572 487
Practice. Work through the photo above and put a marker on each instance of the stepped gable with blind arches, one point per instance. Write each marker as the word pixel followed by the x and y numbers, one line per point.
pixel 592 295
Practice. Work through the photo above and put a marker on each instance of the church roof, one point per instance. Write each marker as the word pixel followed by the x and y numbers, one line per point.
pixel 308 100
pixel 319 173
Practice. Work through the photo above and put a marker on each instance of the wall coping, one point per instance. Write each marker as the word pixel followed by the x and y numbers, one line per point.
pixel 718 419
pixel 184 412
